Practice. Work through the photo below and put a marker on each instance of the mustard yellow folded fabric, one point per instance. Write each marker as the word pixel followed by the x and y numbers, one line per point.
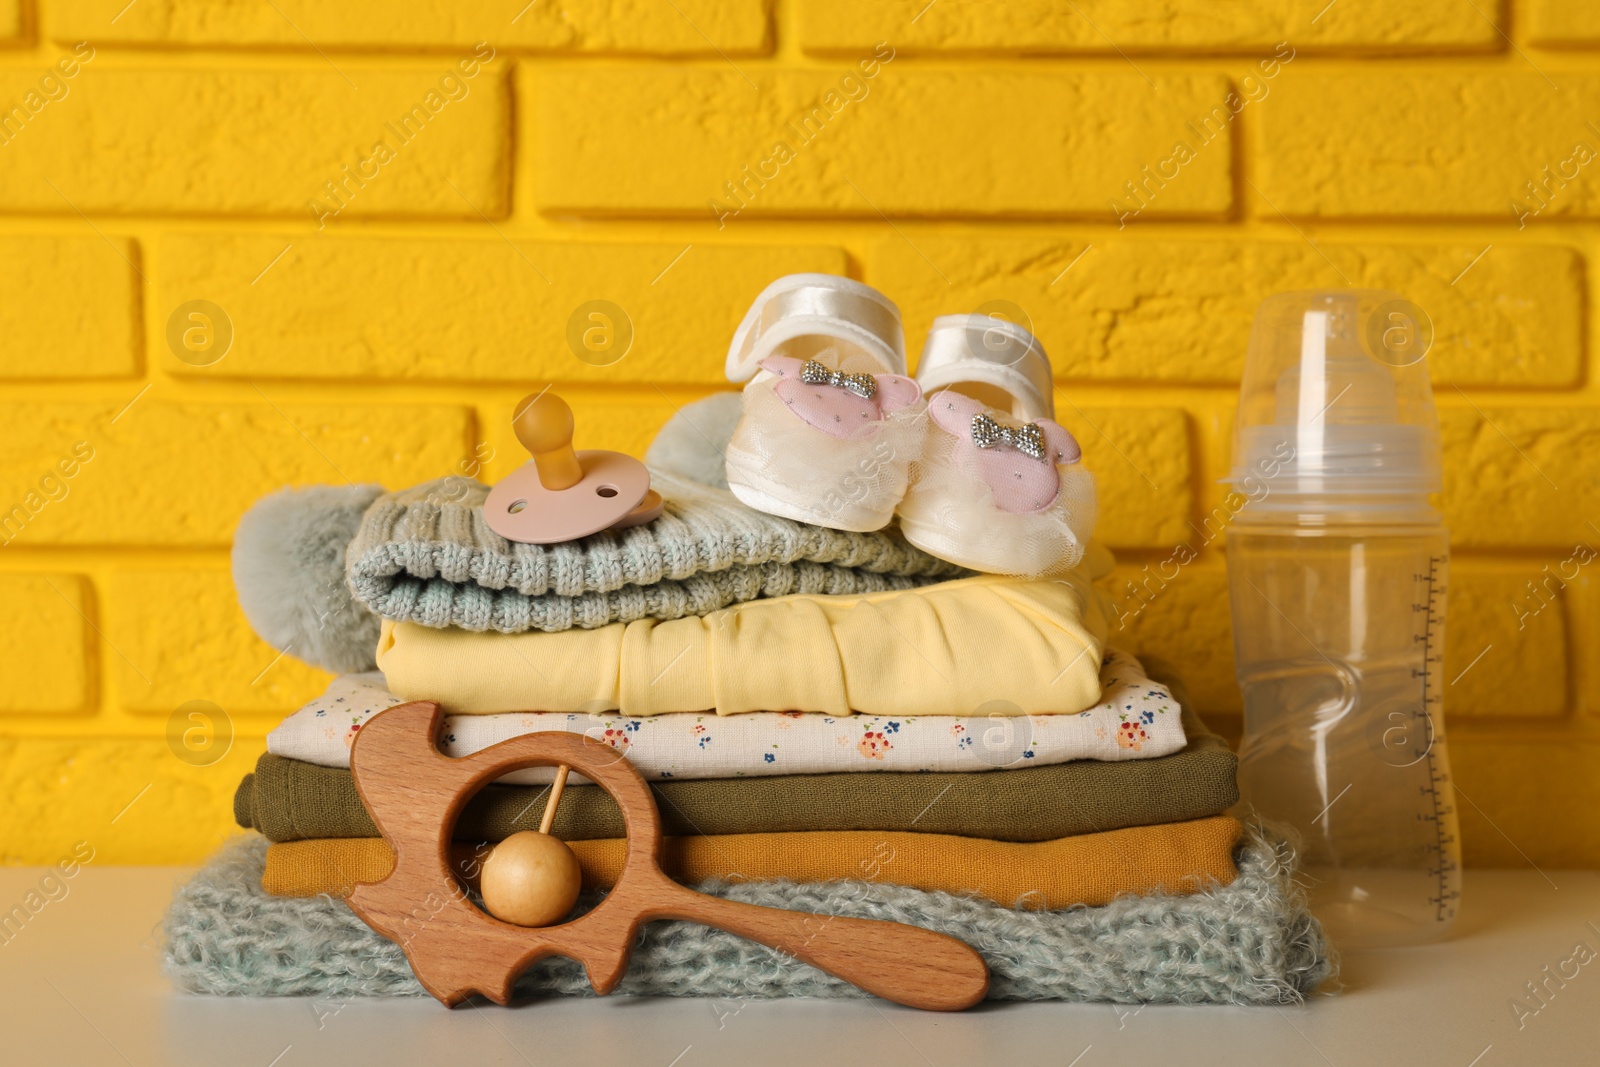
pixel 1178 858
pixel 971 646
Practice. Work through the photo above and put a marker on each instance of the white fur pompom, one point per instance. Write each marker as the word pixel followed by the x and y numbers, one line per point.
pixel 288 569
pixel 692 443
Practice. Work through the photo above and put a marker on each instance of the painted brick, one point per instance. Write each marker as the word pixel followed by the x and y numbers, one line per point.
pixel 204 652
pixel 1183 621
pixel 1123 309
pixel 1525 476
pixel 1528 797
pixel 1110 26
pixel 1140 460
pixel 181 474
pixel 1505 641
pixel 44 643
pixel 375 307
pixel 264 142
pixel 69 307
pixel 11 19
pixel 1557 23
pixel 956 138
pixel 57 792
pixel 1214 423
pixel 1434 143
pixel 1583 625
pixel 682 27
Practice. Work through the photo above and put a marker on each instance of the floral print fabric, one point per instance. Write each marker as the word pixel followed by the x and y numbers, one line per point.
pixel 1135 719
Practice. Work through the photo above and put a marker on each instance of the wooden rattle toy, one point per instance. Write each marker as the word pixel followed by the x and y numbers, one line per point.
pixel 561 494
pixel 414 794
pixel 531 878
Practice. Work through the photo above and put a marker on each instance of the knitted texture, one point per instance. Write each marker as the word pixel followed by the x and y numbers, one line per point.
pixel 1252 942
pixel 425 555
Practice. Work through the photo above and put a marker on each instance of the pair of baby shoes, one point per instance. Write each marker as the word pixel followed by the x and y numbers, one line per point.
pixel 966 454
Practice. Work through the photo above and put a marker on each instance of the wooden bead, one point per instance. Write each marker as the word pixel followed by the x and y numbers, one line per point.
pixel 531 879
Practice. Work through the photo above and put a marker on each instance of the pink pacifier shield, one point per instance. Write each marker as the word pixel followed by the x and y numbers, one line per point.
pixel 519 508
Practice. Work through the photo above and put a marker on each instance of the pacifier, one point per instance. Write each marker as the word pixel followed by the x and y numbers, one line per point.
pixel 561 494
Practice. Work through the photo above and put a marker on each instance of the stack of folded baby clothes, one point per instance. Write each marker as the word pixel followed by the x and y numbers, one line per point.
pixel 831 720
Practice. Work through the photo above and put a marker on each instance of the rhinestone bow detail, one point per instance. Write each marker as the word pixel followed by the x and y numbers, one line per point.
pixel 989 432
pixel 863 385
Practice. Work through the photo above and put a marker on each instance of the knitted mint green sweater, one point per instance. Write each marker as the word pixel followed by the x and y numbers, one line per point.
pixel 425 555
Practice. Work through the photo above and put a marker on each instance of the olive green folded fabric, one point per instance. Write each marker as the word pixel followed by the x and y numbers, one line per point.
pixel 287 800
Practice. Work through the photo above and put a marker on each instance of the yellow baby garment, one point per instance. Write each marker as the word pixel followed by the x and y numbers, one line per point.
pixel 974 646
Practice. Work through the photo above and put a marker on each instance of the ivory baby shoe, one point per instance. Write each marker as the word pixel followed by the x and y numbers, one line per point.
pixel 997 486
pixel 831 422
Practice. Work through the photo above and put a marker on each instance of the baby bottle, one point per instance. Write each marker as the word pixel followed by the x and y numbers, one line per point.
pixel 1337 564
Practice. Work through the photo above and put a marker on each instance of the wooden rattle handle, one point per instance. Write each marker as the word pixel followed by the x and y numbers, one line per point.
pixel 906 964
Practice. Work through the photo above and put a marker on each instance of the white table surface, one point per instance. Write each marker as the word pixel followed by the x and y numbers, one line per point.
pixel 81 984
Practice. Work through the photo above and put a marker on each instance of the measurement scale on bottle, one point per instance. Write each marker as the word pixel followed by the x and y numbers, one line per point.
pixel 1435 810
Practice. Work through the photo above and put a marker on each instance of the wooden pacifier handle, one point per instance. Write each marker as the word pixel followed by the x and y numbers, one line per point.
pixel 414 794
pixel 543 423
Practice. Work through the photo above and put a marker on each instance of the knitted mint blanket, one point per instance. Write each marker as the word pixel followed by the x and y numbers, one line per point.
pixel 425 555
pixel 1251 942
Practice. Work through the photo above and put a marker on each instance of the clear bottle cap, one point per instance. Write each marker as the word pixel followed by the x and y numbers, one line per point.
pixel 1335 401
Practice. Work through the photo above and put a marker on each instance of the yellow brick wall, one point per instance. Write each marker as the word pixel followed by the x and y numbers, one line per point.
pixel 387 307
